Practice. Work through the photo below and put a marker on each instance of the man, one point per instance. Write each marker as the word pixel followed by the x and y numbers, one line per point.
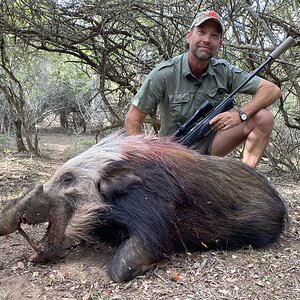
pixel 180 85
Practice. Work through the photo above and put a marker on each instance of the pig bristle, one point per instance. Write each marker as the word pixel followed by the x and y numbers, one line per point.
pixel 85 218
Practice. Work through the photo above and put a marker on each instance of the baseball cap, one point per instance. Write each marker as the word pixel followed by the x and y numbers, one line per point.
pixel 207 15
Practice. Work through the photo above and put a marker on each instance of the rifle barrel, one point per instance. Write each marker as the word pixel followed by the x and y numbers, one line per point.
pixel 275 54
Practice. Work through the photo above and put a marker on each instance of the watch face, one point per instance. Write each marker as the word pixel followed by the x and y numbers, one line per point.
pixel 243 116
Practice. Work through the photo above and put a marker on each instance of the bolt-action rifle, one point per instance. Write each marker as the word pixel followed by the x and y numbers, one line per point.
pixel 192 130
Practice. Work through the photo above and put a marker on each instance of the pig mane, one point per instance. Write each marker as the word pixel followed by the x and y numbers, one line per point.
pixel 137 148
pixel 145 148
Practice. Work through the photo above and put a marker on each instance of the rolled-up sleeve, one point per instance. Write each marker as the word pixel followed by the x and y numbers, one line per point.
pixel 150 93
pixel 239 76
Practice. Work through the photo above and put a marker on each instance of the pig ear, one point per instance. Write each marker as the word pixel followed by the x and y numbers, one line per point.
pixel 118 178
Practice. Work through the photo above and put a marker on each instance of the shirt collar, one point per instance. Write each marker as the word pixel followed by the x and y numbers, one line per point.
pixel 187 71
pixel 185 66
pixel 210 70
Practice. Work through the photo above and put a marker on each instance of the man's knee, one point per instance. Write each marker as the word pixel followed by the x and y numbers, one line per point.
pixel 263 120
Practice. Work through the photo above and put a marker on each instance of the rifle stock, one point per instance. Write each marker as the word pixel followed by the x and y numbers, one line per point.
pixel 191 131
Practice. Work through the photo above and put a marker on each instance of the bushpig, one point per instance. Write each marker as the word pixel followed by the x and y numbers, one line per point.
pixel 150 197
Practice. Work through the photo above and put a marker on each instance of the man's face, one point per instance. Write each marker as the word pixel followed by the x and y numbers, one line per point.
pixel 204 40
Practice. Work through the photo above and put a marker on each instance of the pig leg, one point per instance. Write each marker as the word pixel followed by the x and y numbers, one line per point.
pixel 131 259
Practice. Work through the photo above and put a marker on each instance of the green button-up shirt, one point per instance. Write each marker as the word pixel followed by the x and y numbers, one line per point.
pixel 178 93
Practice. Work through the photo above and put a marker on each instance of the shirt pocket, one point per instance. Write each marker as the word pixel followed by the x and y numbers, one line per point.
pixel 180 106
pixel 217 95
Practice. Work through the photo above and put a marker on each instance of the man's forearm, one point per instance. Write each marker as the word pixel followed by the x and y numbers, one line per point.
pixel 133 120
pixel 266 94
pixel 133 127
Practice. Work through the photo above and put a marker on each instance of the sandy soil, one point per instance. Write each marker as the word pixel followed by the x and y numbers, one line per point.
pixel 272 273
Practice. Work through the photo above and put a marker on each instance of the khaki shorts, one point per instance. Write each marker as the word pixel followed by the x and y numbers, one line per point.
pixel 204 145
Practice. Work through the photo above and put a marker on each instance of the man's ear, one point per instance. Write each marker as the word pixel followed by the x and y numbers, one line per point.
pixel 188 36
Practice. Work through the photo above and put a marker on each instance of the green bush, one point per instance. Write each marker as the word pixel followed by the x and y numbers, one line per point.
pixel 4 139
pixel 4 143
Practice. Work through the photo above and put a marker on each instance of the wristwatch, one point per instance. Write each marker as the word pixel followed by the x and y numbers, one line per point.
pixel 243 116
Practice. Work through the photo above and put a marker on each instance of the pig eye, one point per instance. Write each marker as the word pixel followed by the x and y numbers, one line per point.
pixel 67 178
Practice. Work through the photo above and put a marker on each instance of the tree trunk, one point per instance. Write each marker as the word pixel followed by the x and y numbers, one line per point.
pixel 63 119
pixel 4 126
pixel 19 139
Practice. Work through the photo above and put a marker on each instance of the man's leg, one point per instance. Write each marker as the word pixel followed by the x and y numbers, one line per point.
pixel 255 132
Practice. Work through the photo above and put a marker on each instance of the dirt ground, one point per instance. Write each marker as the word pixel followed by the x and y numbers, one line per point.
pixel 272 273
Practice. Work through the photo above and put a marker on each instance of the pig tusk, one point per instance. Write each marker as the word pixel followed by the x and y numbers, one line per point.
pixel 29 240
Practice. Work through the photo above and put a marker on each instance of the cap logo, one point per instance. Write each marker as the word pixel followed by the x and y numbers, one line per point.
pixel 213 14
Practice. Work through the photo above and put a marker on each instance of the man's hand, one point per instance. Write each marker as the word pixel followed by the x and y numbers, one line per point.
pixel 225 120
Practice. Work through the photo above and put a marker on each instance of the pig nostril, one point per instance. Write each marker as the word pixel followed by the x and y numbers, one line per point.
pixel 23 220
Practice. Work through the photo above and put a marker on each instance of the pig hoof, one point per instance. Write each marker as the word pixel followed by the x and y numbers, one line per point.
pixel 40 258
pixel 36 258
